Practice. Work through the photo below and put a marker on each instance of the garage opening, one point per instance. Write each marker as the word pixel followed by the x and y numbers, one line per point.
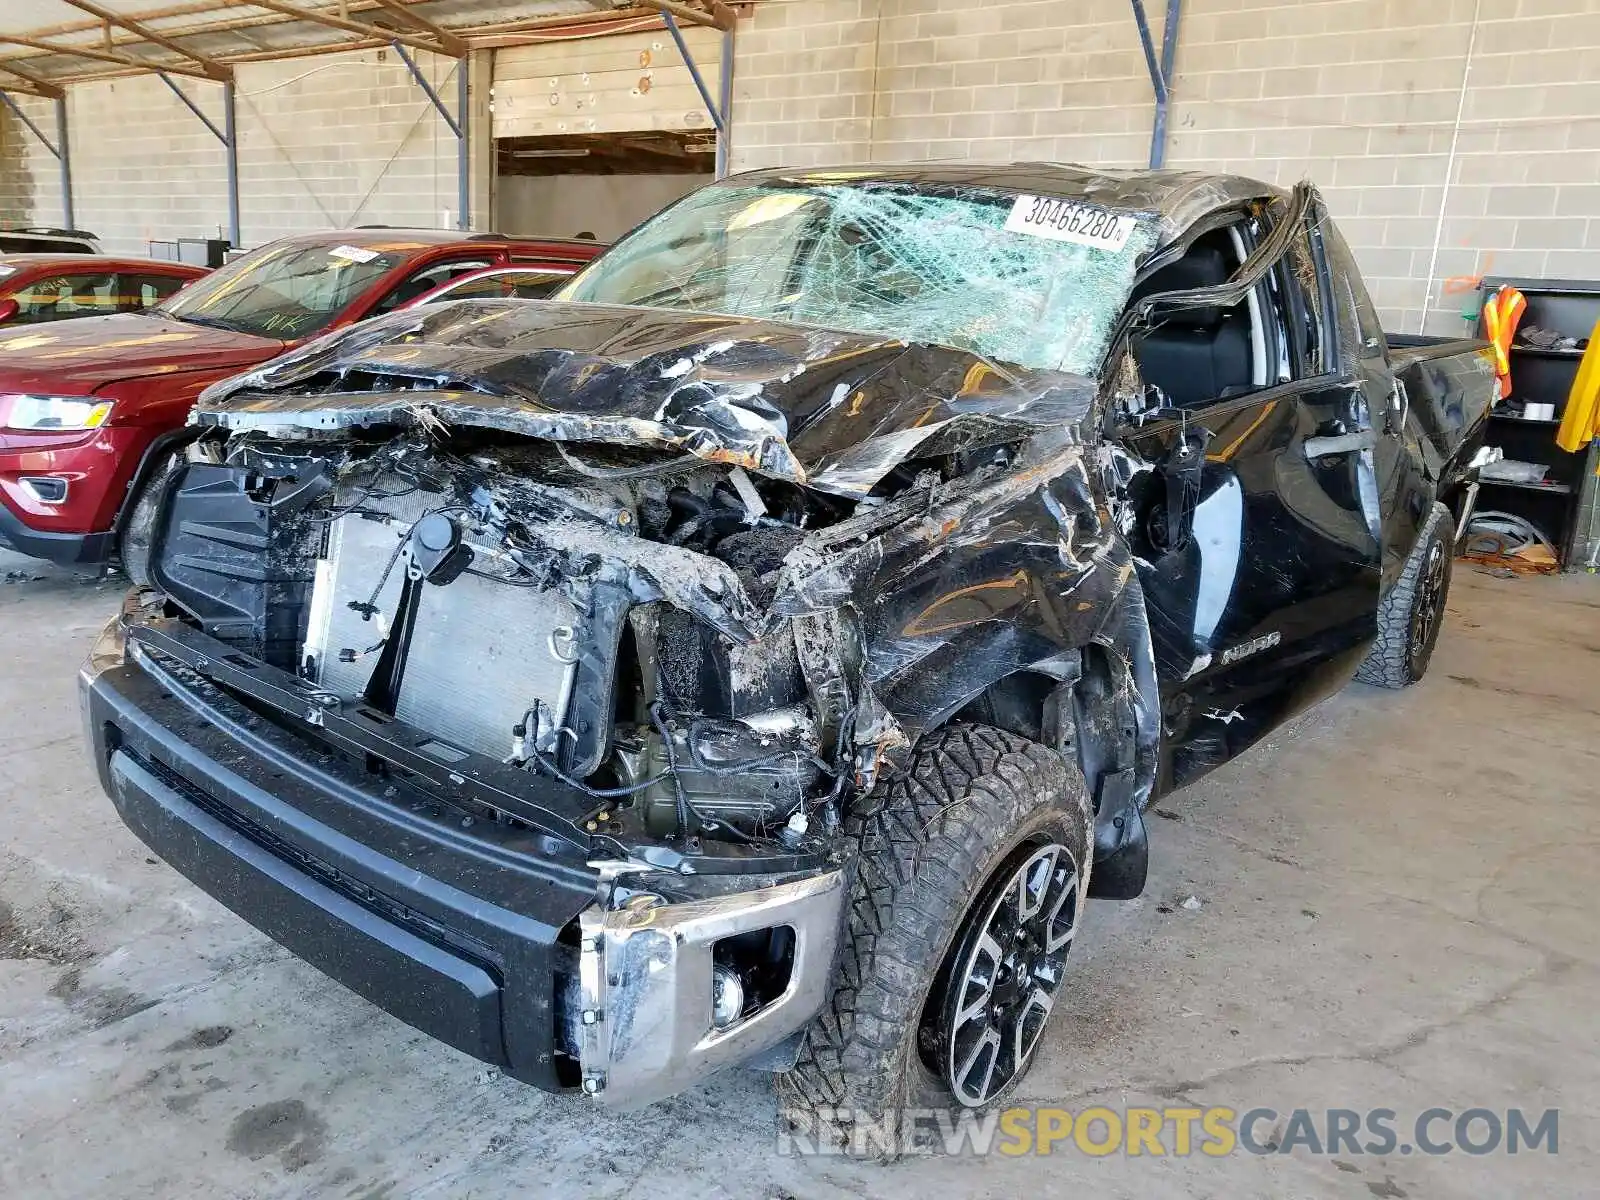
pixel 593 136
pixel 603 184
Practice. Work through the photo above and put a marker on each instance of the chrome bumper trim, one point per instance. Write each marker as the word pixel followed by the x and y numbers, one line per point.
pixel 645 986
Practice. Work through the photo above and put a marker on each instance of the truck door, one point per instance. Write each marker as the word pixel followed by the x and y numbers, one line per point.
pixel 1259 564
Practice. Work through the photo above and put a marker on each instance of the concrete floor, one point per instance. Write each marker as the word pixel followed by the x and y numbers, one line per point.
pixel 1397 911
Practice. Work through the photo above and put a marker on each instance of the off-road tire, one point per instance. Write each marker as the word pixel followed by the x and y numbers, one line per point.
pixel 1398 659
pixel 928 843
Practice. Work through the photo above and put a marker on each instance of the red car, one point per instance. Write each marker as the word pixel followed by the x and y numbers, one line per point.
pixel 90 408
pixel 35 288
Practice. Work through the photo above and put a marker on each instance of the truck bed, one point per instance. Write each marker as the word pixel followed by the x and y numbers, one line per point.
pixel 1451 386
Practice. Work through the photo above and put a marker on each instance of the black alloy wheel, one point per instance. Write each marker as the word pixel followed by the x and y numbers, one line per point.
pixel 1005 972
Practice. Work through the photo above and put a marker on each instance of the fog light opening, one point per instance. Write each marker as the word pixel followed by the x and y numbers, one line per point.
pixel 750 971
pixel 727 996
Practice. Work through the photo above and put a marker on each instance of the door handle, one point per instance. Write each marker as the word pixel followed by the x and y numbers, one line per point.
pixel 1344 443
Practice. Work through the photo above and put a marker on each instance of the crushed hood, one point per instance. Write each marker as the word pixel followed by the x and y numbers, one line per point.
pixel 823 407
pixel 76 357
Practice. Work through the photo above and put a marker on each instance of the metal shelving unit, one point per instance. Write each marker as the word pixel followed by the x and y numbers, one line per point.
pixel 1570 307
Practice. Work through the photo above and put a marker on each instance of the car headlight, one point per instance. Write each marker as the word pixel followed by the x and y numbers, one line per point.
pixel 57 412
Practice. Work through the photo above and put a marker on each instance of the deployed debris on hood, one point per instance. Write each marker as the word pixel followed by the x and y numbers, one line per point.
pixel 808 405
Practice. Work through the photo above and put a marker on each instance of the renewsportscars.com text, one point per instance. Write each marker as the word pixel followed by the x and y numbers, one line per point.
pixel 1178 1132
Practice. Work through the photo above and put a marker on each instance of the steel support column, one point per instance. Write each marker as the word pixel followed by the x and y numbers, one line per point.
pixel 228 136
pixel 230 144
pixel 718 113
pixel 456 122
pixel 60 148
pixel 463 147
pixel 1161 73
pixel 724 142
pixel 64 160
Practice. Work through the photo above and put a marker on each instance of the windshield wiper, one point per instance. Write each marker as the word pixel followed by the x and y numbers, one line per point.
pixel 208 322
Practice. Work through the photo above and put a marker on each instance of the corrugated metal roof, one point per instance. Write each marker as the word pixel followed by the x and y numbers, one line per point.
pixel 193 36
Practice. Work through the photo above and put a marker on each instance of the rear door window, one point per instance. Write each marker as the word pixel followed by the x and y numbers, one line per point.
pixel 502 285
pixel 139 292
pixel 1302 311
pixel 422 281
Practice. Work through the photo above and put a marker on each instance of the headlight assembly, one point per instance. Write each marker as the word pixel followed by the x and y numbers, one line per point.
pixel 56 412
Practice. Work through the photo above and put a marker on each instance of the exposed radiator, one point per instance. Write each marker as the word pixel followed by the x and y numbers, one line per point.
pixel 481 651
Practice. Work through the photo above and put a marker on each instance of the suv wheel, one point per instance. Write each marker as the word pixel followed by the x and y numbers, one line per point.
pixel 971 881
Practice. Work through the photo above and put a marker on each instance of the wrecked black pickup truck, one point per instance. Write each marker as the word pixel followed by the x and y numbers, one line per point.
pixel 743 657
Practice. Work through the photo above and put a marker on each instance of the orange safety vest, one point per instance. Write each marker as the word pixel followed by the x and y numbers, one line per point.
pixel 1501 312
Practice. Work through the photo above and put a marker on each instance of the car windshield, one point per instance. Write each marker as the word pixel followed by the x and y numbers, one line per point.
pixel 287 290
pixel 962 267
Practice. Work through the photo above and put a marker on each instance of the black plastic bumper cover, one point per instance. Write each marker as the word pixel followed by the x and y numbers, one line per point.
pixel 455 935
pixel 66 549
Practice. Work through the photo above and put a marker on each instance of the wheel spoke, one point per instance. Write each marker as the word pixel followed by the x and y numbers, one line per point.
pixel 987 945
pixel 1054 940
pixel 1029 900
pixel 990 1040
pixel 1038 1000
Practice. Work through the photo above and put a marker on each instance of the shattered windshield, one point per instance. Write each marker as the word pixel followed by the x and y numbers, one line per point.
pixel 962 268
pixel 287 290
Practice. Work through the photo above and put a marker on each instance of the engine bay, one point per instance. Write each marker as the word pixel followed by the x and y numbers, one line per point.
pixel 600 619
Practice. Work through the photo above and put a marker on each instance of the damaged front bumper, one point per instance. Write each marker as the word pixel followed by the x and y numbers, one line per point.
pixel 647 1027
pixel 504 941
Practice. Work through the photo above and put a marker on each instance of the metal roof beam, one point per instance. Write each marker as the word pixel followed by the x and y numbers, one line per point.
pixel 213 69
pixel 335 21
pixel 110 56
pixel 31 85
pixel 453 45
pixel 707 12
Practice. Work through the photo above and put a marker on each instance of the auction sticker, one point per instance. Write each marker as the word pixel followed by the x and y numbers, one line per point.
pixel 353 253
pixel 1069 221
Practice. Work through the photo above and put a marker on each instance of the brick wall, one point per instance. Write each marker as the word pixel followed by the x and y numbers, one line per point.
pixel 336 140
pixel 22 160
pixel 1436 172
pixel 1452 138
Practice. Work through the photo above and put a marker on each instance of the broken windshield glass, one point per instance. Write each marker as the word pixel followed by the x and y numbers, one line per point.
pixel 949 267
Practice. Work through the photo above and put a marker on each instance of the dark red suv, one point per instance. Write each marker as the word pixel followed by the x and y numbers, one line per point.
pixel 89 408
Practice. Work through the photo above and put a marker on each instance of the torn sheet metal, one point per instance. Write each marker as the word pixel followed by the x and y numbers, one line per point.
pixel 809 405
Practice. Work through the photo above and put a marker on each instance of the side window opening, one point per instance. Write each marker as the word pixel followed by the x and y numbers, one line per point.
pixel 420 283
pixel 1197 356
pixel 1297 282
pixel 143 291
pixel 1277 334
